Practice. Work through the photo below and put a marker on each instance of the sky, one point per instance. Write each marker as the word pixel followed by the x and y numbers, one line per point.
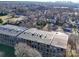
pixel 76 1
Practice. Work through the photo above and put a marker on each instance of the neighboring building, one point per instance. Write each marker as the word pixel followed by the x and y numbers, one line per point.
pixel 64 18
pixel 67 28
pixel 47 43
pixel 52 27
pixel 53 21
pixel 8 34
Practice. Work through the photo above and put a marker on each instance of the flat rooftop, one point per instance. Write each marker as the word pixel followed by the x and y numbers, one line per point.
pixel 37 35
pixel 53 38
pixel 11 30
pixel 60 40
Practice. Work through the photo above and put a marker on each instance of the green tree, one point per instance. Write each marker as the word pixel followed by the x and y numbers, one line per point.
pixel 40 23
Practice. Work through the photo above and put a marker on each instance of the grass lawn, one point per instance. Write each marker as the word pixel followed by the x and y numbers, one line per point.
pixel 6 51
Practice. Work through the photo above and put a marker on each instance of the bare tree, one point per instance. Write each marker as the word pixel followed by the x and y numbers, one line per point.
pixel 23 50
pixel 72 46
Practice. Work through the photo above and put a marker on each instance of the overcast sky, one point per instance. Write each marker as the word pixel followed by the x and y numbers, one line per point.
pixel 76 1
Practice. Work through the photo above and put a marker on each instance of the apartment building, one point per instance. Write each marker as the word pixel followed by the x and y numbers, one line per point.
pixel 8 34
pixel 47 43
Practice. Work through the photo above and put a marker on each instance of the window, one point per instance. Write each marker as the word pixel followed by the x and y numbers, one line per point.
pixel 38 48
pixel 34 46
pixel 48 46
pixel 46 54
pixel 53 51
pixel 58 49
pixel 29 41
pixel 38 44
pixel 61 49
pixel 53 55
pixel 47 50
